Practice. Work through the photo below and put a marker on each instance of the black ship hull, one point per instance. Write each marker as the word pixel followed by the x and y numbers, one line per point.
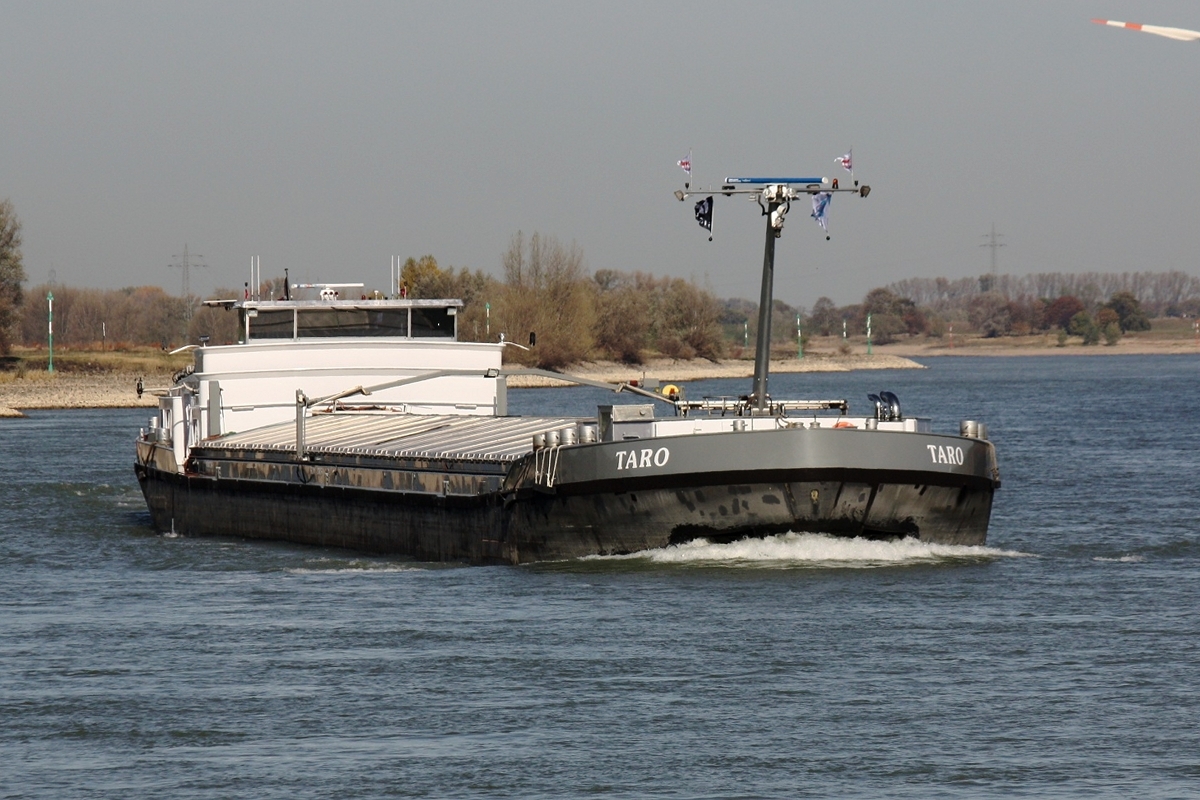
pixel 591 499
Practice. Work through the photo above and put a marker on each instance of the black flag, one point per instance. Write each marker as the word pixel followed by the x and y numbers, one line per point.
pixel 704 211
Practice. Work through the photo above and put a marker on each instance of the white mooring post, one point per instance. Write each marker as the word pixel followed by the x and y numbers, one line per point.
pixel 301 408
pixel 50 302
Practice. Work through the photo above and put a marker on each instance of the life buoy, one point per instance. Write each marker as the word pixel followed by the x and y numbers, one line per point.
pixel 671 391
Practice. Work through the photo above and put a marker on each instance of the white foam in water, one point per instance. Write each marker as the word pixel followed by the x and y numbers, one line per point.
pixel 1129 559
pixel 353 567
pixel 815 550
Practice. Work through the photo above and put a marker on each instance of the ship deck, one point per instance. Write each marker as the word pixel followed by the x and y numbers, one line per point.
pixel 384 435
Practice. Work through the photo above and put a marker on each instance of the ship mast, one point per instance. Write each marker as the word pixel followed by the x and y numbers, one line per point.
pixel 774 197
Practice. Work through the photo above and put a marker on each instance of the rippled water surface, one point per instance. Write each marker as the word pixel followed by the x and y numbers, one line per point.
pixel 1063 659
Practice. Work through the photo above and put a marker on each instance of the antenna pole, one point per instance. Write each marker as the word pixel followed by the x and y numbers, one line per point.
pixel 762 352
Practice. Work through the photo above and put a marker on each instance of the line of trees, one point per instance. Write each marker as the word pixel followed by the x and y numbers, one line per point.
pixel 1160 294
pixel 545 289
pixel 989 314
pixel 136 316
pixel 626 316
pixel 12 273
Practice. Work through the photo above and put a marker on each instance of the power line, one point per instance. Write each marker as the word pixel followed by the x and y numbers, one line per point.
pixel 992 243
pixel 185 263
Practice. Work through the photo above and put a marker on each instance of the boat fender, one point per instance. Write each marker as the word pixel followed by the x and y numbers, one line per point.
pixel 845 424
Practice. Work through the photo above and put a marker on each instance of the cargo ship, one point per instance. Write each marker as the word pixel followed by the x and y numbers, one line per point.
pixel 366 424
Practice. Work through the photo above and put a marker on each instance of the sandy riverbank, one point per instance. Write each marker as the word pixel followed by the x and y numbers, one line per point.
pixel 667 370
pixel 118 389
pixel 75 390
pixel 1042 346
pixel 36 390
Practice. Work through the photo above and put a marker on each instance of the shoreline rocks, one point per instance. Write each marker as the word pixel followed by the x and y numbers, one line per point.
pixel 75 390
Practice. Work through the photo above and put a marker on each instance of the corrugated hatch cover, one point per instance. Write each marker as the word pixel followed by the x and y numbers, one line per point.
pixel 411 436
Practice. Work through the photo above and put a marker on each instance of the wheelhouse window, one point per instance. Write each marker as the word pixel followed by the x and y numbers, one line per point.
pixel 324 322
pixel 312 323
pixel 316 323
pixel 433 322
pixel 271 324
pixel 388 322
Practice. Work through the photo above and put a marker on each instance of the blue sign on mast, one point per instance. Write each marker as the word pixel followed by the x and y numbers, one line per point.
pixel 774 180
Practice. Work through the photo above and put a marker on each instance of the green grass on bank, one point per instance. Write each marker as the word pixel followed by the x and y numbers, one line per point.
pixel 1166 329
pixel 142 361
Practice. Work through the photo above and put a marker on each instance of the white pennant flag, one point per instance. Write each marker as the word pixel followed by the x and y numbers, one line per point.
pixel 820 210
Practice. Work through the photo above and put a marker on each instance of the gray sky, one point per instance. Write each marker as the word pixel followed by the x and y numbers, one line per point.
pixel 328 137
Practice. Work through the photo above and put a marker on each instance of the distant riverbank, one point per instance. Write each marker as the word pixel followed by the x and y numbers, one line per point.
pixel 75 390
pixel 669 370
pixel 36 389
pixel 1040 346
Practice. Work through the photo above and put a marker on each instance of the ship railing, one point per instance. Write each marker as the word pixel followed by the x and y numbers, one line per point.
pixel 176 425
pixel 366 391
pixel 568 378
pixel 304 403
pixel 742 406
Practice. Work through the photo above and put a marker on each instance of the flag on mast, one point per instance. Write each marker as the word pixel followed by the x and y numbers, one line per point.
pixel 704 211
pixel 847 161
pixel 686 164
pixel 820 210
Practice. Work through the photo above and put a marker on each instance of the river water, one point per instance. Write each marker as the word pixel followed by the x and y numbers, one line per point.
pixel 1063 660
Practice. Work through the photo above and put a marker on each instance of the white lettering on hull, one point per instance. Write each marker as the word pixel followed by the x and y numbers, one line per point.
pixel 946 455
pixel 643 459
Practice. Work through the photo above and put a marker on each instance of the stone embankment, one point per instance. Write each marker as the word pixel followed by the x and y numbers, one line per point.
pixel 75 390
